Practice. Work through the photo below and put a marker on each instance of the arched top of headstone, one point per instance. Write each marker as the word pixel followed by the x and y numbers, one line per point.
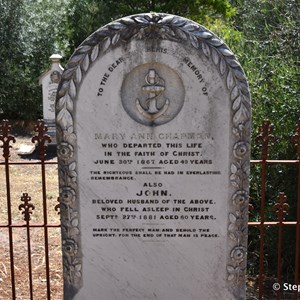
pixel 156 26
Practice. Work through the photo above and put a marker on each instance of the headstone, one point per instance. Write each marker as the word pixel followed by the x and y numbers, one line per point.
pixel 26 149
pixel 153 119
pixel 49 81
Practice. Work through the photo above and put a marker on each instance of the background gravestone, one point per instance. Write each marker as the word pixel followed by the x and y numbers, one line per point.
pixel 49 81
pixel 153 129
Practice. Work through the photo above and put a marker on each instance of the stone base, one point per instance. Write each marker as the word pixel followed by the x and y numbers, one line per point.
pixel 51 131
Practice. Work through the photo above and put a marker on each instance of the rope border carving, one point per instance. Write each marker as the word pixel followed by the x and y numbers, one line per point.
pixel 177 29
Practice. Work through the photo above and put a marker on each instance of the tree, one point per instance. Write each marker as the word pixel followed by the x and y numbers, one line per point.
pixel 30 34
pixel 32 30
pixel 271 58
pixel 10 53
pixel 86 16
pixel 269 51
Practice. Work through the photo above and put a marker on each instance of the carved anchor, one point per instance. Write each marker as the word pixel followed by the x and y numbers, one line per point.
pixel 154 87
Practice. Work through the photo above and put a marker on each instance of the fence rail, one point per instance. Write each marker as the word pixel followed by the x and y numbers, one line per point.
pixel 257 220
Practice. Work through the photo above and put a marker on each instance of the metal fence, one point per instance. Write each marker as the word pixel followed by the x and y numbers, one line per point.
pixel 26 209
pixel 266 214
pixel 280 208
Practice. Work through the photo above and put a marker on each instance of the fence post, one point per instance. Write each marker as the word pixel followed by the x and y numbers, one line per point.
pixel 296 140
pixel 280 208
pixel 266 139
pixel 42 138
pixel 27 211
pixel 6 140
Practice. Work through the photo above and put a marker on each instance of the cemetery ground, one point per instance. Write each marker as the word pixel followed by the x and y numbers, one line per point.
pixel 27 179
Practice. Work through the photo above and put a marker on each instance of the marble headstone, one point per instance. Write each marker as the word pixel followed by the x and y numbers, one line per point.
pixel 153 126
pixel 49 81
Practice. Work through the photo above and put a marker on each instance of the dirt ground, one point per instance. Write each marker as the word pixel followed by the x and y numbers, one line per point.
pixel 27 179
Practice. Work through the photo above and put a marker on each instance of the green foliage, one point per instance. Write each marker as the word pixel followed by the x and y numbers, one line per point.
pixel 32 30
pixel 225 31
pixel 86 16
pixel 42 26
pixel 30 34
pixel 271 60
pixel 269 52
pixel 264 36
pixel 10 53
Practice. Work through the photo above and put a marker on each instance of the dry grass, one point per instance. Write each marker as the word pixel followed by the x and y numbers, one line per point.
pixel 27 179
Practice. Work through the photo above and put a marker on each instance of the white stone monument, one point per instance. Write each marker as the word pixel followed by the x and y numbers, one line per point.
pixel 153 127
pixel 49 81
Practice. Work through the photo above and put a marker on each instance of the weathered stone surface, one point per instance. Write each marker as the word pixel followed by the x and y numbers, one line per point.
pixel 49 81
pixel 153 118
pixel 26 149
